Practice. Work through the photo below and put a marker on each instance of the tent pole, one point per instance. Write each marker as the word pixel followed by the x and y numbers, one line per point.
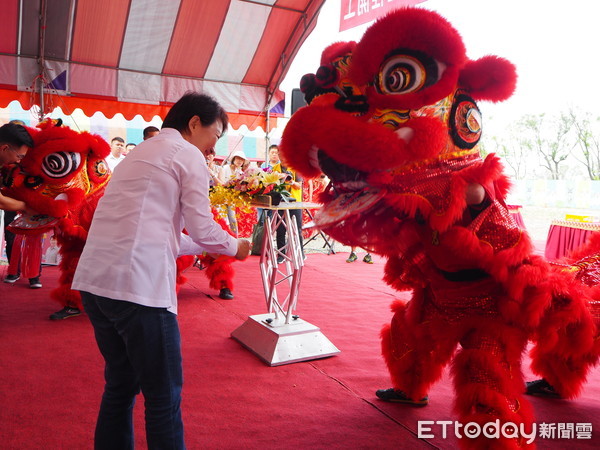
pixel 41 52
pixel 40 83
pixel 268 125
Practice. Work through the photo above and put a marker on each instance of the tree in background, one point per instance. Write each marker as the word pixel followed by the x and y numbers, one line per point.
pixel 587 142
pixel 549 139
pixel 513 151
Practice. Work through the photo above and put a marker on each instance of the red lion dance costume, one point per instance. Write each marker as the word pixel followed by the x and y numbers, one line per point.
pixel 393 122
pixel 63 177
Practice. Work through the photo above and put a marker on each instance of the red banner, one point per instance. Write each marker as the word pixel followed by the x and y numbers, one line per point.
pixel 357 12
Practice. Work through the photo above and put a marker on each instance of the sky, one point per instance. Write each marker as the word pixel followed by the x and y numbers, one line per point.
pixel 554 45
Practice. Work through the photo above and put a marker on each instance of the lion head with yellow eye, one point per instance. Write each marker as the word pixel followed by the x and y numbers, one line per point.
pixel 393 121
pixel 62 177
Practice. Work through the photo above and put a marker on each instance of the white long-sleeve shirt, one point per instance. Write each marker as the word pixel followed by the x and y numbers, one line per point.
pixel 112 161
pixel 134 238
pixel 226 174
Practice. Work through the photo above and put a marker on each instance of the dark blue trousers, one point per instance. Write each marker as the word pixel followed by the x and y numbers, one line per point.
pixel 141 347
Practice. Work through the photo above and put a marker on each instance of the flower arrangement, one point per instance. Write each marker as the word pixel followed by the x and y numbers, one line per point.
pixel 247 186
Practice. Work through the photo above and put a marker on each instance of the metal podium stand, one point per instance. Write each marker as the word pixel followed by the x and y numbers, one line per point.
pixel 280 336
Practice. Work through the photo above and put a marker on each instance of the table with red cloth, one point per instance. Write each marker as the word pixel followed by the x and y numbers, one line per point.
pixel 565 236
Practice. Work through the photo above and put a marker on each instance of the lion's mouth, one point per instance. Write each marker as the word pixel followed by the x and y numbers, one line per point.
pixel 27 224
pixel 343 178
pixel 348 190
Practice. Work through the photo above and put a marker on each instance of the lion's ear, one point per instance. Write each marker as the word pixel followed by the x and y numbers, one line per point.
pixel 337 50
pixel 48 123
pixel 99 148
pixel 490 78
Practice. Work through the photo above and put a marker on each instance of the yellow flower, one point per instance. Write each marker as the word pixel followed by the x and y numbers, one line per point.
pixel 271 178
pixel 221 196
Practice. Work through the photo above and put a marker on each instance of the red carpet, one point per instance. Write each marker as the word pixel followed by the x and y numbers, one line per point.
pixel 51 372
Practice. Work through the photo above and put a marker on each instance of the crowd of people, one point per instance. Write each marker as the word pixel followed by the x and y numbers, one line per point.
pixel 119 150
pixel 239 162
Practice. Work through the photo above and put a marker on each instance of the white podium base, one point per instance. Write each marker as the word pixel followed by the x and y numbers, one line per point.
pixel 278 343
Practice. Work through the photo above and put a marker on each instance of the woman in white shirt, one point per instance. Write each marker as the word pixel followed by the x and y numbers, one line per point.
pixel 126 273
pixel 226 175
pixel 213 167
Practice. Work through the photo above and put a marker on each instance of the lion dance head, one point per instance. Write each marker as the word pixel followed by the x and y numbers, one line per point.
pixel 62 178
pixel 58 178
pixel 393 122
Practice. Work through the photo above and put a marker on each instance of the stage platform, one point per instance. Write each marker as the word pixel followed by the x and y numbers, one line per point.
pixel 51 374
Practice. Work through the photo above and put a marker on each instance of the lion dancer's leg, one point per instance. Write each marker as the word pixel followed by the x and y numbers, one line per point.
pixel 31 258
pixel 489 385
pixel 182 263
pixel 219 269
pixel 25 259
pixel 567 343
pixel 568 338
pixel 14 258
pixel 220 274
pixel 63 294
pixel 416 349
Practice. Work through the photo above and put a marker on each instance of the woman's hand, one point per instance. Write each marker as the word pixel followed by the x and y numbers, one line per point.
pixel 243 249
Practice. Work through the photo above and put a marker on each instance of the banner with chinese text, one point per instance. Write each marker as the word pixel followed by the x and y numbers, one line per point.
pixel 357 12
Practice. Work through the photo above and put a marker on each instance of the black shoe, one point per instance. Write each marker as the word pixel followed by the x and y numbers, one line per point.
pixel 34 283
pixel 392 395
pixel 225 294
pixel 198 264
pixel 541 388
pixel 280 259
pixel 65 313
pixel 11 278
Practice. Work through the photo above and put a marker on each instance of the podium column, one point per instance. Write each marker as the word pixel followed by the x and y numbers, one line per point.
pixel 280 336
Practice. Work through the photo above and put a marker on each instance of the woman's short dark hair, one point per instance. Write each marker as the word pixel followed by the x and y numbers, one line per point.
pixel 195 104
pixel 16 135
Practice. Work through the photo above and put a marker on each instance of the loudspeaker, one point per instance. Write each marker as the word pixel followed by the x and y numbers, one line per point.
pixel 297 100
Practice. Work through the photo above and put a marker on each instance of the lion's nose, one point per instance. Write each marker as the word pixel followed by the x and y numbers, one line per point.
pixel 8 175
pixel 33 181
pixel 350 103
